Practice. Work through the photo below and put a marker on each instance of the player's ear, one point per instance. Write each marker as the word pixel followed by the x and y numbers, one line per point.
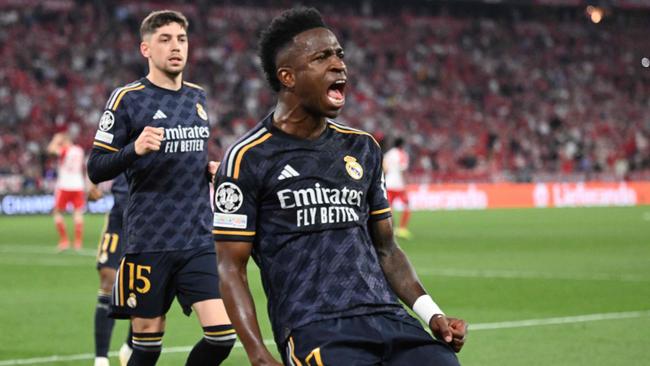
pixel 144 49
pixel 286 77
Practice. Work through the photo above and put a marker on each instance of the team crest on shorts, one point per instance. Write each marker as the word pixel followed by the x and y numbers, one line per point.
pixel 201 112
pixel 131 301
pixel 103 258
pixel 107 121
pixel 228 198
pixel 355 170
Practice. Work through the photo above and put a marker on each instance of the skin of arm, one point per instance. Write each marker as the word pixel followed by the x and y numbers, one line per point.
pixel 402 278
pixel 54 147
pixel 232 258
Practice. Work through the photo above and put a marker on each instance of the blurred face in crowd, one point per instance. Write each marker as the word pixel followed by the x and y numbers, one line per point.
pixel 315 71
pixel 166 49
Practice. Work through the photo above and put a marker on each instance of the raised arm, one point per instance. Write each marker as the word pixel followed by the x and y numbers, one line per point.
pixel 404 281
pixel 54 147
pixel 105 164
pixel 233 284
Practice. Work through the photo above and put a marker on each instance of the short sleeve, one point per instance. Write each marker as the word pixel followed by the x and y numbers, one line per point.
pixel 379 208
pixel 235 206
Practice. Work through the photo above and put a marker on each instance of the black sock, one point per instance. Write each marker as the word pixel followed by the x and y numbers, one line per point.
pixel 146 349
pixel 129 337
pixel 103 325
pixel 214 347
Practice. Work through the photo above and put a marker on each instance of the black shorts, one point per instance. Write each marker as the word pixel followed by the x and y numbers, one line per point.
pixel 380 339
pixel 112 243
pixel 146 283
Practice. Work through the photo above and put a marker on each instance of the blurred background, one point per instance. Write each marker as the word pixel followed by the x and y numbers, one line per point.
pixel 482 91
pixel 504 106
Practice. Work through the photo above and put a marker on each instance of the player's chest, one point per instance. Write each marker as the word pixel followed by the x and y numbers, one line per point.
pixel 316 177
pixel 183 112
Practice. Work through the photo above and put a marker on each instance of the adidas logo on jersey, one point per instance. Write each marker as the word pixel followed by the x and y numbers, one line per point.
pixel 159 115
pixel 288 172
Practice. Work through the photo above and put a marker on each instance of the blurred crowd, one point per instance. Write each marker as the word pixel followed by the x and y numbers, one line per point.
pixel 476 98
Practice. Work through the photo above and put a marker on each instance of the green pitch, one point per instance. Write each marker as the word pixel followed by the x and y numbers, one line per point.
pixel 540 287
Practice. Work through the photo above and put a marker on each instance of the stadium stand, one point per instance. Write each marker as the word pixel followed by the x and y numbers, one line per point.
pixel 480 95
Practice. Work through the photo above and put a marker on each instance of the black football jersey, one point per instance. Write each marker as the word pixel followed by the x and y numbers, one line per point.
pixel 305 206
pixel 169 198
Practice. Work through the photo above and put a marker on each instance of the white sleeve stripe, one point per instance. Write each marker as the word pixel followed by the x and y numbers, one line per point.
pixel 344 127
pixel 112 98
pixel 117 91
pixel 231 155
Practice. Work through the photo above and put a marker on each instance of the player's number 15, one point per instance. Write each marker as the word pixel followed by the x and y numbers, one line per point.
pixel 136 273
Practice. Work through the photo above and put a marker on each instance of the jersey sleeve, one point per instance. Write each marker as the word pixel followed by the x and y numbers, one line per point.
pixel 377 196
pixel 112 151
pixel 235 206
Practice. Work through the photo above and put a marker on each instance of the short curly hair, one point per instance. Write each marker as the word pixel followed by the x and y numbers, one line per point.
pixel 280 33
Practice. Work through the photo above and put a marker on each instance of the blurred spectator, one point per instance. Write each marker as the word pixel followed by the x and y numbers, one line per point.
pixel 478 97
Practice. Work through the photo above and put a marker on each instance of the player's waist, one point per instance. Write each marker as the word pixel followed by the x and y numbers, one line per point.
pixel 138 245
pixel 282 328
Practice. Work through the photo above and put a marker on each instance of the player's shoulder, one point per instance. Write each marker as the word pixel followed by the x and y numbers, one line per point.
pixel 119 94
pixel 244 150
pixel 350 132
pixel 193 86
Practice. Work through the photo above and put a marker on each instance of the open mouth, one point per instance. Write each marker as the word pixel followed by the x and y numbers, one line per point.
pixel 175 59
pixel 336 92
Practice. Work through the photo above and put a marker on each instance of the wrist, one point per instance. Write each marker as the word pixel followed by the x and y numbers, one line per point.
pixel 426 308
pixel 259 354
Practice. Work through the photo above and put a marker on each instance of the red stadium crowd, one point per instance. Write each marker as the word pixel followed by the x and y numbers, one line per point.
pixel 476 98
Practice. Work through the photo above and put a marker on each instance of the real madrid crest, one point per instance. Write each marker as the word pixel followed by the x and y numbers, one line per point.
pixel 201 112
pixel 103 258
pixel 131 301
pixel 354 169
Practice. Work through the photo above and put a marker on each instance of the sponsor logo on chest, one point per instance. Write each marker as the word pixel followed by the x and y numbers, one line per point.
pixel 320 205
pixel 185 138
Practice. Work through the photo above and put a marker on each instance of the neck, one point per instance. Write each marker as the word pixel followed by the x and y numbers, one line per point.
pixel 290 118
pixel 165 80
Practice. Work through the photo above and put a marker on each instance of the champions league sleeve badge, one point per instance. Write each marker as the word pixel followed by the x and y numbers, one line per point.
pixel 228 198
pixel 107 121
pixel 353 168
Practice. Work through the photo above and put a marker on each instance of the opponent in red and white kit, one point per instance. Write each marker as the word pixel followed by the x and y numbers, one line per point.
pixel 396 163
pixel 70 187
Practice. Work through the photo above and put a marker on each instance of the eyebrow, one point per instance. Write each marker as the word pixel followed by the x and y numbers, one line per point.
pixel 171 35
pixel 329 50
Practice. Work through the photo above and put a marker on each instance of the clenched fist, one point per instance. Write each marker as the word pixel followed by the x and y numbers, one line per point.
pixel 94 193
pixel 149 140
pixel 452 331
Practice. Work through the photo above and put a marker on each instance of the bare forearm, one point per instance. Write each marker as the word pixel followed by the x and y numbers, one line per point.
pixel 401 275
pixel 241 310
pixel 398 270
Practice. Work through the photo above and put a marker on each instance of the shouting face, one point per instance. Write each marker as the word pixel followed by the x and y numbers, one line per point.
pixel 313 68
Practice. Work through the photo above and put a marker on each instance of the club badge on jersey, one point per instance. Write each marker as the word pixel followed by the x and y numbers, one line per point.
pixel 354 169
pixel 201 112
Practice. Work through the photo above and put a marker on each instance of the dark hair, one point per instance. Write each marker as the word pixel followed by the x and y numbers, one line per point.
pixel 280 33
pixel 398 142
pixel 161 18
